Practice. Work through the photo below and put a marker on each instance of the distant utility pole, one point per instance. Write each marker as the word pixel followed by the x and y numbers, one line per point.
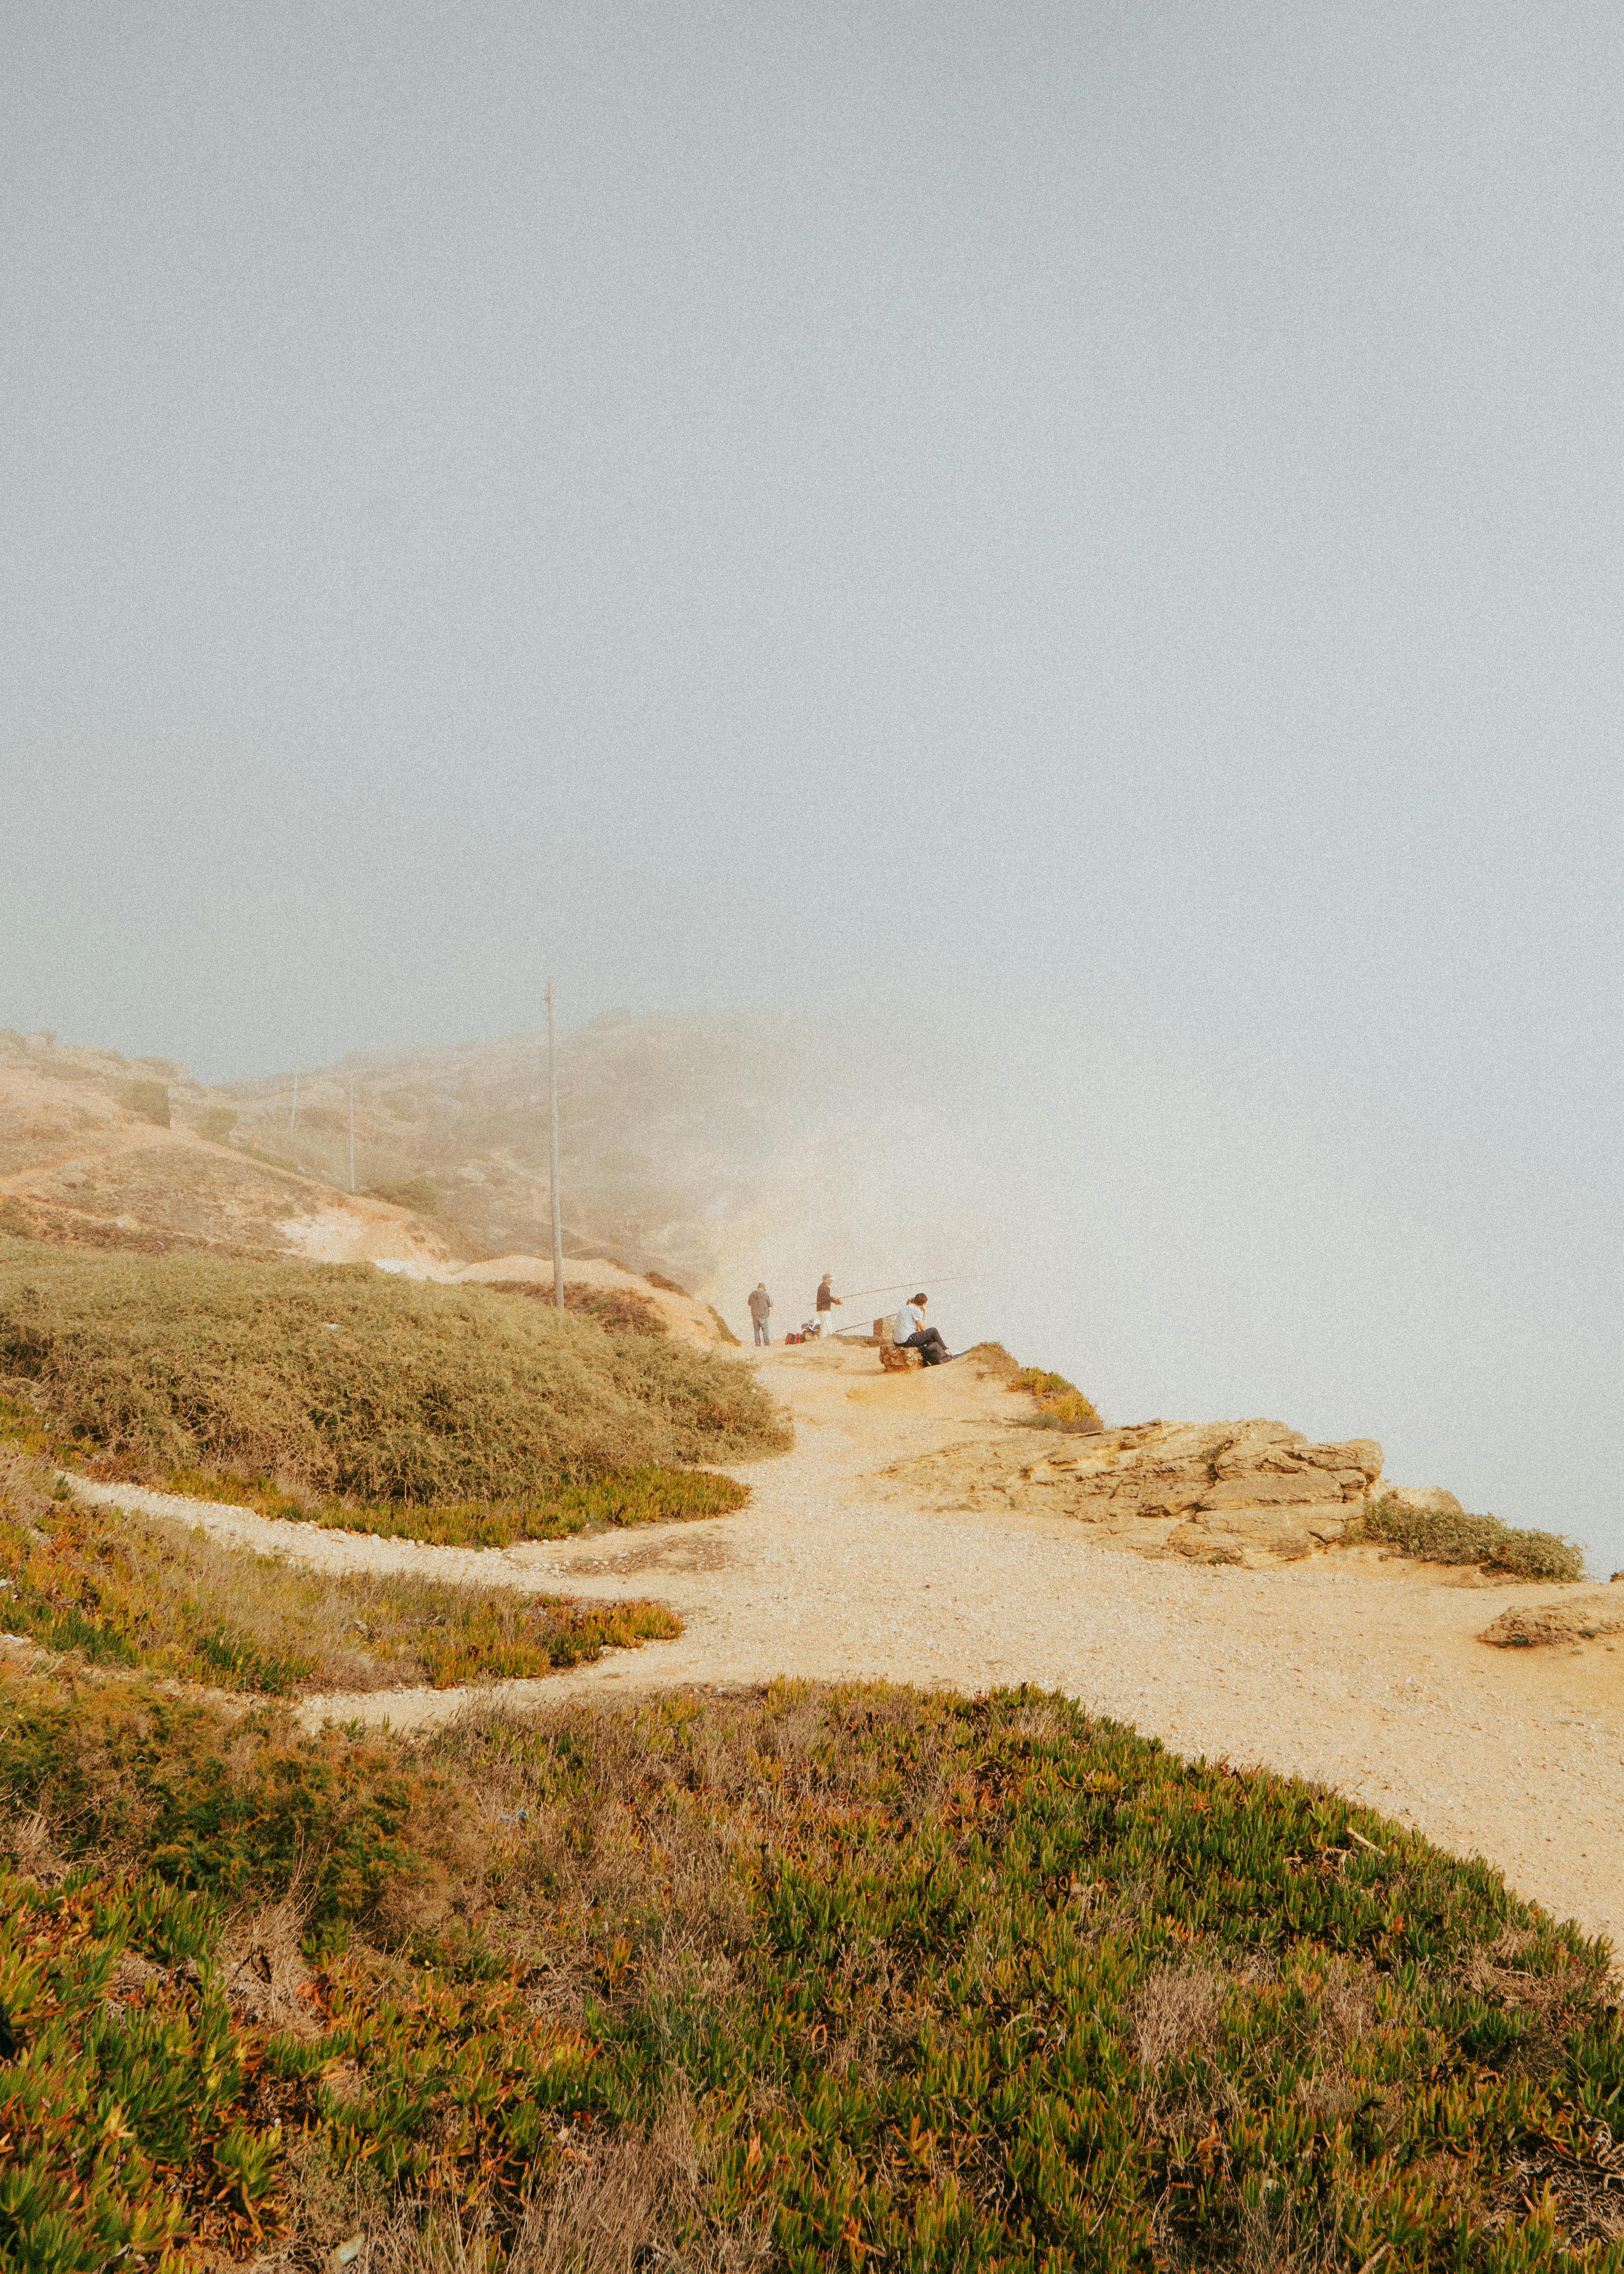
pixel 558 1212
pixel 293 1118
pixel 352 1136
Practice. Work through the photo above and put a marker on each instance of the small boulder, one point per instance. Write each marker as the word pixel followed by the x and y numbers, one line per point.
pixel 1582 1618
pixel 1425 1500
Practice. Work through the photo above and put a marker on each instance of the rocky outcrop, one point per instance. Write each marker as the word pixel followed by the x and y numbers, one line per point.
pixel 1218 1492
pixel 1582 1618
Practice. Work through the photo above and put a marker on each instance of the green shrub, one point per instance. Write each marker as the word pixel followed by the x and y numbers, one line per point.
pixel 416 1193
pixel 651 1494
pixel 1061 1404
pixel 1442 1536
pixel 910 1981
pixel 348 1381
pixel 151 1101
pixel 218 1123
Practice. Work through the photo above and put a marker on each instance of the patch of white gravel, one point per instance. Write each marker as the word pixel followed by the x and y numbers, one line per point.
pixel 1369 1679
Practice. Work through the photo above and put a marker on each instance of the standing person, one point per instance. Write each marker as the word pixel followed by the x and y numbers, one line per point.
pixel 828 1304
pixel 761 1311
pixel 911 1333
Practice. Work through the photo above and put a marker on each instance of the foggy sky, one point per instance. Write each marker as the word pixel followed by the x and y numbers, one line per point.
pixel 1105 519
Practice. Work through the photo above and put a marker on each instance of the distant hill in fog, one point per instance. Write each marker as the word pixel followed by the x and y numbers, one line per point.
pixel 715 1147
pixel 99 1150
pixel 666 1127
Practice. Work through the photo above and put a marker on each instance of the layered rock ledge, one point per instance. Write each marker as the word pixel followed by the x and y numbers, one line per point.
pixel 1219 1492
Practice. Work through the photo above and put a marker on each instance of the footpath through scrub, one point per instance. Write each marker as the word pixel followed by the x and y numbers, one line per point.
pixel 1362 1675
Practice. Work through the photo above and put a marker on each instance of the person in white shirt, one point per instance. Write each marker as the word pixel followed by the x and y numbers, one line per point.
pixel 911 1332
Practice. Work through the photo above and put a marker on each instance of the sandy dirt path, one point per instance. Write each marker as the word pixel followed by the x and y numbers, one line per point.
pixel 1365 1677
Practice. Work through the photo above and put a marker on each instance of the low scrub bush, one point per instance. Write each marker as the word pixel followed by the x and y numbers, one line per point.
pixel 343 1381
pixel 123 1591
pixel 1061 1404
pixel 1443 1536
pixel 617 1310
pixel 654 1494
pixel 151 1101
pixel 416 1193
pixel 809 1978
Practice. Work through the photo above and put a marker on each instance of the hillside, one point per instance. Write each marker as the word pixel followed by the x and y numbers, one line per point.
pixel 101 1150
pixel 340 1379
pixel 667 1126
pixel 799 1979
pixel 672 1132
pixel 762 1972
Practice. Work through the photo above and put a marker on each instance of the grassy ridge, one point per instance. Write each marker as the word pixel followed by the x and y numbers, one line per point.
pixel 340 1379
pixel 808 1980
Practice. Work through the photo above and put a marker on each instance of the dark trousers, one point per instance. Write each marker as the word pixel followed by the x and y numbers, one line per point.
pixel 927 1342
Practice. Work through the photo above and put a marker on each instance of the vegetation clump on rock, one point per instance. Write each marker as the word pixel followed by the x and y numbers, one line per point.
pixel 1450 1535
pixel 1574 1619
pixel 807 1978
pixel 1061 1405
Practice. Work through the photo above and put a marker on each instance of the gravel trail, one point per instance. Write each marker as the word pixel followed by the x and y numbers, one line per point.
pixel 1362 1675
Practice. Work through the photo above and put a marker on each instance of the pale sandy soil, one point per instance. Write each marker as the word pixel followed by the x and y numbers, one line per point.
pixel 175 1179
pixel 1367 1676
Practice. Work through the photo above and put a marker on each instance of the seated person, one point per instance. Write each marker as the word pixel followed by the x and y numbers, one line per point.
pixel 911 1333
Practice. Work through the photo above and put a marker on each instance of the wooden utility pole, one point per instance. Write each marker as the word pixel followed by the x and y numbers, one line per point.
pixel 293 1118
pixel 352 1136
pixel 558 1212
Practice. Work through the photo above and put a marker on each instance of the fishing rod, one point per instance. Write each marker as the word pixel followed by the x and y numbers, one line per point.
pixel 954 1279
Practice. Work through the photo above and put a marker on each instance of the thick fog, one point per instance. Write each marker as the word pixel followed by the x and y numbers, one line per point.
pixel 1100 524
pixel 1180 1254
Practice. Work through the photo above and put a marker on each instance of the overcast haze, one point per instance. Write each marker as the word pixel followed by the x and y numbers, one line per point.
pixel 1105 520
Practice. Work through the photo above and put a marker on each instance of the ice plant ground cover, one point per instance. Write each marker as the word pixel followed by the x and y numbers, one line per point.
pixel 806 1977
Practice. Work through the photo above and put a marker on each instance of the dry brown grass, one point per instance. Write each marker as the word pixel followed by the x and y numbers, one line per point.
pixel 617 1310
pixel 338 1379
pixel 628 2202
